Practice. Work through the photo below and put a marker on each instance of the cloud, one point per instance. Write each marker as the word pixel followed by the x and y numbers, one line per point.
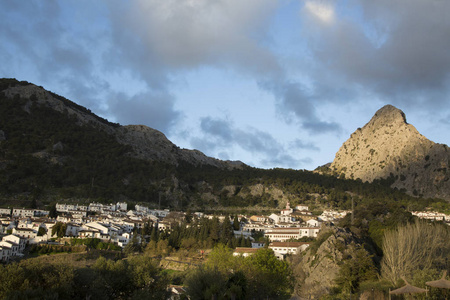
pixel 220 134
pixel 323 11
pixel 296 103
pixel 393 49
pixel 299 144
pixel 145 108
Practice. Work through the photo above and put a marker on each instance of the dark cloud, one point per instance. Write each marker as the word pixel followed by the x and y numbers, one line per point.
pixel 296 104
pixel 147 109
pixel 396 50
pixel 220 129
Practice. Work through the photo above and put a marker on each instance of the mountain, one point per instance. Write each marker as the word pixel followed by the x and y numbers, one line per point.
pixel 52 149
pixel 387 146
pixel 145 142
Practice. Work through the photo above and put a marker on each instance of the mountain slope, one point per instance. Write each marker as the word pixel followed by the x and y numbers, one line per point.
pixel 388 146
pixel 145 142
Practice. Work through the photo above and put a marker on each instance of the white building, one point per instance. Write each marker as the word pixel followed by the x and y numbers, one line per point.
pixel 5 211
pixel 313 223
pixel 281 249
pixel 17 240
pixel 301 208
pixel 284 234
pixel 23 212
pixel 242 251
pixel 27 233
pixel 122 206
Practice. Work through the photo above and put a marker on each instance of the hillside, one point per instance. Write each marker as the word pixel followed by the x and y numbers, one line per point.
pixel 146 143
pixel 388 146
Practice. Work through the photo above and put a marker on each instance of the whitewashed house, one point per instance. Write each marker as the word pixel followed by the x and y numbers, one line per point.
pixel 5 211
pixel 27 233
pixel 313 223
pixel 283 248
pixel 243 251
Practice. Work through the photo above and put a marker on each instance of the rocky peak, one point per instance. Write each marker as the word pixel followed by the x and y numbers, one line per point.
pixel 388 146
pixel 388 115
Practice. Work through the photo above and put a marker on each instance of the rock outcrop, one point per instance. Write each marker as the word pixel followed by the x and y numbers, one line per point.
pixel 318 268
pixel 388 146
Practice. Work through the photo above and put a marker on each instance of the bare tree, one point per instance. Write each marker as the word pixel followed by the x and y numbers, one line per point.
pixel 420 245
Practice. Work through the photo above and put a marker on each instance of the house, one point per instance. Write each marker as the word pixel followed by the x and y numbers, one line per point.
pixel 260 219
pixel 66 207
pixel 13 247
pixel 72 229
pixel 280 218
pixel 87 233
pixel 283 248
pixel 122 206
pixel 288 210
pixel 163 226
pixel 257 245
pixel 28 233
pixel 243 251
pixel 5 254
pixel 284 234
pixel 302 208
pixel 41 213
pixel 22 242
pixel 313 223
pixel 5 211
pixel 22 212
pixel 100 227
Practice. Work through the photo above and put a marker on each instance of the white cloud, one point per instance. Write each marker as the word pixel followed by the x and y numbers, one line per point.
pixel 324 11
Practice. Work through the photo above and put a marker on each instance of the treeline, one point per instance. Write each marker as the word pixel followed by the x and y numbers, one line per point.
pixel 188 238
pixel 76 245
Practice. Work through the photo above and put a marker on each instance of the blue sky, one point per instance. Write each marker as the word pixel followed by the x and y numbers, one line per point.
pixel 270 83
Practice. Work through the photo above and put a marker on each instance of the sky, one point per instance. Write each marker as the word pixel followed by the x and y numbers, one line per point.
pixel 270 83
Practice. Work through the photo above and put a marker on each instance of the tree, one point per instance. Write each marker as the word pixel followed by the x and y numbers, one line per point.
pixel 268 277
pixel 133 245
pixel 206 283
pixel 226 230
pixel 222 259
pixel 414 246
pixel 236 224
pixel 356 269
pixel 52 212
pixel 149 280
pixel 41 231
pixel 59 229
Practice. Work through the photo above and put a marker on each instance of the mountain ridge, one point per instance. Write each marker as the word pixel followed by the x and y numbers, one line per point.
pixel 147 143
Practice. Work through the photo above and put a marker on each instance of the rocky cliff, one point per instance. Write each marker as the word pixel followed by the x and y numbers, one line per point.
pixel 318 268
pixel 388 146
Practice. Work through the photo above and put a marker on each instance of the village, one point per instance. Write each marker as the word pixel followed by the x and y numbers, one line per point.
pixel 114 223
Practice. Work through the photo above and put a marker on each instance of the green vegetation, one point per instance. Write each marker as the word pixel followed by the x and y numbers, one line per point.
pixel 225 276
pixel 137 277
pixel 189 238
